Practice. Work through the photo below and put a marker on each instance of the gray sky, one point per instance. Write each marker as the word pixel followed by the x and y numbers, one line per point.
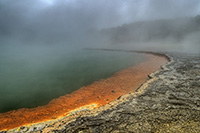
pixel 74 21
pixel 95 13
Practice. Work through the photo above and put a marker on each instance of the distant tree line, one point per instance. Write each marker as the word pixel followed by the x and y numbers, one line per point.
pixel 157 30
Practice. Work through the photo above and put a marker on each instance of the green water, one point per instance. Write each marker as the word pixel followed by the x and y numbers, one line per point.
pixel 32 76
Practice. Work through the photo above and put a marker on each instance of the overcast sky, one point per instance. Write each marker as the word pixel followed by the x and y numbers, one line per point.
pixel 73 21
pixel 97 13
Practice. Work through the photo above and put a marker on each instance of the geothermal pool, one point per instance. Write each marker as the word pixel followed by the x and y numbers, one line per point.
pixel 32 76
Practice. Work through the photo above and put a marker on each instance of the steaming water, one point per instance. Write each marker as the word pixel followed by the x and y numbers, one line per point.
pixel 33 75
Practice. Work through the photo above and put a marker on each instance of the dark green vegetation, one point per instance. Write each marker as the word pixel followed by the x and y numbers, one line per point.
pixel 157 30
pixel 34 75
pixel 180 34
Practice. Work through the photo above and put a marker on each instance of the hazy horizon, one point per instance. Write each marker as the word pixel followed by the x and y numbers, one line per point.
pixel 78 23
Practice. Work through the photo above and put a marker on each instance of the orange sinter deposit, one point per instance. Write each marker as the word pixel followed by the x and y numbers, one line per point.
pixel 97 94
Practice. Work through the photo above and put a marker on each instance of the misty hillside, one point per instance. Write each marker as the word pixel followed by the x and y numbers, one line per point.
pixel 82 24
pixel 173 30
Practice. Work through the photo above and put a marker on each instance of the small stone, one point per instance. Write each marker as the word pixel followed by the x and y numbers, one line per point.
pixel 22 127
pixel 112 91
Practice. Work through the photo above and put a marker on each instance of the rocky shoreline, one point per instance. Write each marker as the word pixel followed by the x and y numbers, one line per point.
pixel 168 102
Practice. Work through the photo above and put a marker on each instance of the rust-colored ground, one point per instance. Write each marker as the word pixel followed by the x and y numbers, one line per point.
pixel 100 92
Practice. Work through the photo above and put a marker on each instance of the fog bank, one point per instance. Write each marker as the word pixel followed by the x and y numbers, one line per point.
pixel 165 25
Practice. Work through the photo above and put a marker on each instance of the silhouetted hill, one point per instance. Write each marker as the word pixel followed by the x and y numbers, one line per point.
pixel 159 30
